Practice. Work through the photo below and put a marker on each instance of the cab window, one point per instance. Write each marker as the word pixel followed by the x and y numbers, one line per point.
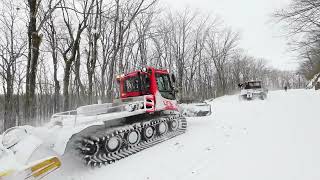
pixel 131 84
pixel 164 86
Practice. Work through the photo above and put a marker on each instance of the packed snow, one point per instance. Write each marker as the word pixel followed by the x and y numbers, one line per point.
pixel 277 139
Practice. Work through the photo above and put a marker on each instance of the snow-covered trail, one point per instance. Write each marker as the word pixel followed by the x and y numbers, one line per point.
pixel 273 139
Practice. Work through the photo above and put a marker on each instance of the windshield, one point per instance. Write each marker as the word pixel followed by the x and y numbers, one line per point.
pixel 131 84
pixel 164 86
pixel 137 84
pixel 253 85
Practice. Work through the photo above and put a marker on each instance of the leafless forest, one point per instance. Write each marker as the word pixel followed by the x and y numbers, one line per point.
pixel 56 55
pixel 302 19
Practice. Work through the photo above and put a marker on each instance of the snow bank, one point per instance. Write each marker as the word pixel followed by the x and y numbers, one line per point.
pixel 195 109
pixel 7 160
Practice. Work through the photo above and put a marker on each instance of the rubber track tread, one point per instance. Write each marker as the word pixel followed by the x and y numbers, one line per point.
pixel 103 157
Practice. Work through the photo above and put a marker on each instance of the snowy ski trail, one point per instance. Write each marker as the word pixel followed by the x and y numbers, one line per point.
pixel 274 139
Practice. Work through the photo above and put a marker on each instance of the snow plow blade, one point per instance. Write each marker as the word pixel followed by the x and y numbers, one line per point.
pixel 43 168
pixel 34 171
pixel 6 173
pixel 196 109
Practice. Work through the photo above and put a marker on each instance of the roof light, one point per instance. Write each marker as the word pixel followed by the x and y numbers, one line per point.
pixel 144 69
pixel 120 76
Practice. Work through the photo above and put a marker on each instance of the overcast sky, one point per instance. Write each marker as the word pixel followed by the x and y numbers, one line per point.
pixel 251 18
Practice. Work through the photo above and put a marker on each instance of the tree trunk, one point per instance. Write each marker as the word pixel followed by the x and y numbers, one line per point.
pixel 66 80
pixel 9 116
pixel 115 49
pixel 34 44
pixel 92 67
pixel 56 99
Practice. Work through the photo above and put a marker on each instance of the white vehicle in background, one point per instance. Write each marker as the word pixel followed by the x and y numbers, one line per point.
pixel 251 90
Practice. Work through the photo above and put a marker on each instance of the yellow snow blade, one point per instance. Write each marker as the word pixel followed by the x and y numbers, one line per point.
pixel 34 171
pixel 43 168
pixel 6 173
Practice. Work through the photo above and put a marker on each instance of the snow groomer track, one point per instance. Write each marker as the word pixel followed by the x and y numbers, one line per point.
pixel 106 147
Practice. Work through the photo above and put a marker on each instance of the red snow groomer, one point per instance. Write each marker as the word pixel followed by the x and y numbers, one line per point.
pixel 146 114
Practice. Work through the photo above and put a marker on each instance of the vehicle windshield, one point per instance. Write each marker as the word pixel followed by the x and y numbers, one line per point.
pixel 164 86
pixel 132 84
pixel 253 85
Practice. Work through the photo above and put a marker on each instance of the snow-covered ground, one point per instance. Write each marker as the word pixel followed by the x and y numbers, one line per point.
pixel 274 139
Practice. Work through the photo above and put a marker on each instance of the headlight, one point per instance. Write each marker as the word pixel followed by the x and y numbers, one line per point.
pixel 12 136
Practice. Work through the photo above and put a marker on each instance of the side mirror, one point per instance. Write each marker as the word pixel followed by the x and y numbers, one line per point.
pixel 173 78
pixel 118 79
pixel 175 91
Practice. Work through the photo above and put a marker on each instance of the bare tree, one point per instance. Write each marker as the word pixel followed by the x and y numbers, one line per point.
pixel 219 48
pixel 52 39
pixel 106 34
pixel 302 19
pixel 12 47
pixel 94 33
pixel 35 25
pixel 181 28
pixel 121 24
pixel 72 43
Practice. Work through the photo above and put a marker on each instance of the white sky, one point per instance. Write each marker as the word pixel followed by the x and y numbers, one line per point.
pixel 260 37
